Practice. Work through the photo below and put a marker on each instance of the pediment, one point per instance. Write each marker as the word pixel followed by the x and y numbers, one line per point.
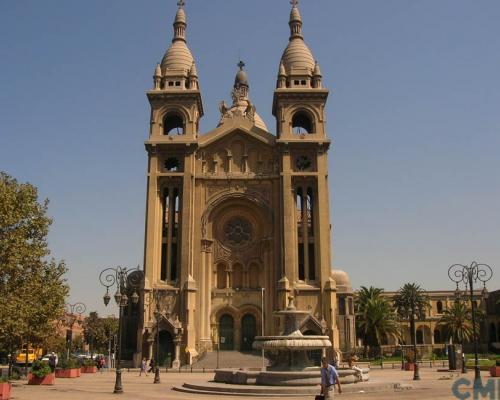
pixel 235 126
pixel 237 149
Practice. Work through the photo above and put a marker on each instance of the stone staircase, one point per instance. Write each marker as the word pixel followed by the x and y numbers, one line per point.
pixel 230 359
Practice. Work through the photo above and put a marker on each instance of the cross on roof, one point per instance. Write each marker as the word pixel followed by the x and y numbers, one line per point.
pixel 180 3
pixel 294 2
pixel 241 64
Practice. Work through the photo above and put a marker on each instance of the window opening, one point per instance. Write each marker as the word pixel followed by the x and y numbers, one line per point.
pixel 173 125
pixel 302 123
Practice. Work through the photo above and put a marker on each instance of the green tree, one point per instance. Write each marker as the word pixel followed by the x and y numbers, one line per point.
pixel 411 304
pixel 32 286
pixel 457 323
pixel 99 331
pixel 375 317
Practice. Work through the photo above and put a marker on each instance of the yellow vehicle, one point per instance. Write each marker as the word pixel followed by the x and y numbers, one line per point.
pixel 33 355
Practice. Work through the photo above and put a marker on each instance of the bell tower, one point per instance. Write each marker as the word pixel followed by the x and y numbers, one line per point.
pixel 176 108
pixel 299 107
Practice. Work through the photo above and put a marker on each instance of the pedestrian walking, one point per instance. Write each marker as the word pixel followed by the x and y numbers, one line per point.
pixel 329 377
pixel 151 365
pixel 143 367
pixel 52 361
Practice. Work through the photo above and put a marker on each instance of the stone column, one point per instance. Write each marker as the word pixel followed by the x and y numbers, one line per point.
pixel 177 361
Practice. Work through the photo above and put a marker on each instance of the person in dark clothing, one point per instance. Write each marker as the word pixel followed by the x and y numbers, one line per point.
pixel 52 362
pixel 151 365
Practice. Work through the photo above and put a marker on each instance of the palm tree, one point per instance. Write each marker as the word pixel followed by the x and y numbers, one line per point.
pixel 411 304
pixel 375 317
pixel 457 323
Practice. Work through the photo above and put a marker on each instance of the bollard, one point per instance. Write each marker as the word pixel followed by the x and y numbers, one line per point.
pixel 191 369
pixel 203 369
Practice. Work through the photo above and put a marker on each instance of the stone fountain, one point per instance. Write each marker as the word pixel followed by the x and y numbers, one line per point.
pixel 290 374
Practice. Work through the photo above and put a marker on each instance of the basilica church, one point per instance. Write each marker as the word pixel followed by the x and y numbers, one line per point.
pixel 237 218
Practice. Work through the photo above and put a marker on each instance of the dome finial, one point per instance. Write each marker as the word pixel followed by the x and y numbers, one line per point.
pixel 180 23
pixel 295 20
pixel 241 64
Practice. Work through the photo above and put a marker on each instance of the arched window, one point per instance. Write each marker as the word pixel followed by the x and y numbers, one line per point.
pixel 437 336
pixel 302 123
pixel 221 276
pixel 493 333
pixel 420 336
pixel 237 276
pixel 173 124
pixel 170 233
pixel 439 306
pixel 172 164
pixel 254 276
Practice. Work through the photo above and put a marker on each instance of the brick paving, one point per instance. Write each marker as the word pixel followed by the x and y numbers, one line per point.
pixel 100 386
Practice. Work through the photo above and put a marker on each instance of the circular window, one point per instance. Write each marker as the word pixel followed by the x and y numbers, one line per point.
pixel 237 231
pixel 303 163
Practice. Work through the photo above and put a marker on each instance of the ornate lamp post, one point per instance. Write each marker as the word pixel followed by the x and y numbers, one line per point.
pixel 123 279
pixel 155 296
pixel 70 317
pixel 468 275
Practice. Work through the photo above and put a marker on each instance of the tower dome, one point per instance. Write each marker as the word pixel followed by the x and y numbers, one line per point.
pixel 341 279
pixel 297 55
pixel 178 56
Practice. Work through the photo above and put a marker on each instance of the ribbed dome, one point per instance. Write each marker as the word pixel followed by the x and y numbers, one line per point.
pixel 297 55
pixel 177 56
pixel 341 278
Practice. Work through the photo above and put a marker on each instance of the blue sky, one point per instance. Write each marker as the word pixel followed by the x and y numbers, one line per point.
pixel 414 115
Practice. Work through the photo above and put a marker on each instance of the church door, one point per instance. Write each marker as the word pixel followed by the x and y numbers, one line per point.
pixel 226 332
pixel 166 351
pixel 248 332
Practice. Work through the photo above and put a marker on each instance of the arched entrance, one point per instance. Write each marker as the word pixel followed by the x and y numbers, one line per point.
pixel 437 336
pixel 226 332
pixel 248 331
pixel 420 336
pixel 166 351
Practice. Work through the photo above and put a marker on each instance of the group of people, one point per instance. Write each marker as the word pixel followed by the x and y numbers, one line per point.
pixel 144 366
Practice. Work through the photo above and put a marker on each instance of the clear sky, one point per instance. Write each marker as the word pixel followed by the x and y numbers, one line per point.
pixel 414 115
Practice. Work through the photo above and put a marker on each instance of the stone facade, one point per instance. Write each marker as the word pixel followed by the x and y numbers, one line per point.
pixel 237 218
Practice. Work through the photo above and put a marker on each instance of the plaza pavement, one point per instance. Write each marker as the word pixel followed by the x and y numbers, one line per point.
pixel 100 386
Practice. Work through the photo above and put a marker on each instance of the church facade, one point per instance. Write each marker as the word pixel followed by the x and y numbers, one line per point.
pixel 237 218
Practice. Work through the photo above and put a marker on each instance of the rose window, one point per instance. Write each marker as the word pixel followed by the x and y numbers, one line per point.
pixel 237 231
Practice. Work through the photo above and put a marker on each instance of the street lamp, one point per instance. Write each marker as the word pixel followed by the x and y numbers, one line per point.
pixel 70 318
pixel 468 275
pixel 123 279
pixel 155 296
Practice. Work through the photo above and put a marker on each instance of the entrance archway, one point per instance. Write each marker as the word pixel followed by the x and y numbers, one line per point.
pixel 226 332
pixel 248 331
pixel 166 351
pixel 420 336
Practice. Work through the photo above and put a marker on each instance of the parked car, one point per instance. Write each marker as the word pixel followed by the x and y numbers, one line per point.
pixel 33 355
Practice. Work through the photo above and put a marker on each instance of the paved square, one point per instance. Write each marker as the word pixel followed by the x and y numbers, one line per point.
pixel 100 386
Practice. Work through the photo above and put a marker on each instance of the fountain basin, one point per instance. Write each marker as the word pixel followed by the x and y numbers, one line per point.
pixel 308 377
pixel 295 342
